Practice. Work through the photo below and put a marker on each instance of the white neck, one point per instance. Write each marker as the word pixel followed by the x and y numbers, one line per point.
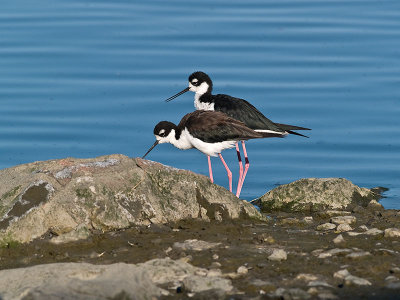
pixel 182 143
pixel 202 105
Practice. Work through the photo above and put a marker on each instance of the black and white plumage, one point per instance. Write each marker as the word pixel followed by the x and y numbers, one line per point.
pixel 239 109
pixel 236 108
pixel 210 132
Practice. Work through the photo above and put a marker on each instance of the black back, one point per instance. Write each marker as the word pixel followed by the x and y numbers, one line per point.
pixel 241 110
pixel 214 127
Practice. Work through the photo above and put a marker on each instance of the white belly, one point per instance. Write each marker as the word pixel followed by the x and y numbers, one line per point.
pixel 211 149
pixel 184 141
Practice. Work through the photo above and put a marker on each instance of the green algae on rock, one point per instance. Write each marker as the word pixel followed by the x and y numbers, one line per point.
pixel 315 194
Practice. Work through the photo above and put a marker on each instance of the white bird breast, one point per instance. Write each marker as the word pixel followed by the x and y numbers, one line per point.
pixel 211 149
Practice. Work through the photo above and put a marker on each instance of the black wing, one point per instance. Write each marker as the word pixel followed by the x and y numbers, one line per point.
pixel 214 127
pixel 242 110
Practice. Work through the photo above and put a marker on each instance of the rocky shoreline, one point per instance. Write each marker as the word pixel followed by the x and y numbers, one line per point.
pixel 226 250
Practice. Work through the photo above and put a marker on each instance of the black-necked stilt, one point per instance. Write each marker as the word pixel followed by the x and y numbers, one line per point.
pixel 210 132
pixel 239 109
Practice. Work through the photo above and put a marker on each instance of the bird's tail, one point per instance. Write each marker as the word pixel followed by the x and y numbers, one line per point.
pixel 289 128
pixel 269 134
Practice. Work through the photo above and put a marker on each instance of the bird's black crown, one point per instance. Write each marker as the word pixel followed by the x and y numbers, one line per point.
pixel 164 128
pixel 201 77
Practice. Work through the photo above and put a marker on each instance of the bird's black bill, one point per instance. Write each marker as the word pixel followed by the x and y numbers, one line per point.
pixel 177 95
pixel 151 148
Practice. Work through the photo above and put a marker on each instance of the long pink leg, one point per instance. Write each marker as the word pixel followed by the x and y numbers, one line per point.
pixel 227 170
pixel 210 169
pixel 240 170
pixel 246 168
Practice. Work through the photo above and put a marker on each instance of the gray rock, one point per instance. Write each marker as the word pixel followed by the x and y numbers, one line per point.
pixel 308 220
pixel 326 226
pixel 333 213
pixel 278 255
pixel 315 194
pixel 200 284
pixel 306 277
pixel 87 281
pixel 242 270
pixel 327 295
pixel 293 293
pixel 334 252
pixel 106 193
pixel 341 274
pixel 344 220
pixel 392 232
pixel 391 278
pixel 81 232
pixel 372 231
pixel 195 245
pixel 344 228
pixel 393 285
pixel 319 283
pixel 339 239
pixel 354 280
pixel 359 254
pixel 395 270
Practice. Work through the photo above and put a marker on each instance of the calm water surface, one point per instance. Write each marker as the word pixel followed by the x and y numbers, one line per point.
pixel 88 78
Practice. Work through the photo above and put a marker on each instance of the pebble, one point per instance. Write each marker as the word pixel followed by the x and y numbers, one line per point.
pixel 198 284
pixel 195 245
pixel 259 282
pixel 215 265
pixel 242 270
pixel 363 227
pixel 385 251
pixel 332 213
pixel 326 295
pixel 326 226
pixel 356 255
pixel 391 278
pixel 354 280
pixel 393 285
pixel 294 293
pixel 392 232
pixel 214 273
pixel 315 283
pixel 278 255
pixel 350 279
pixel 395 270
pixel 342 274
pixel 339 239
pixel 344 220
pixel 306 277
pixel 344 228
pixel 333 252
pixel 289 221
pixel 308 220
pixel 215 256
pixel 372 231
pixel 313 291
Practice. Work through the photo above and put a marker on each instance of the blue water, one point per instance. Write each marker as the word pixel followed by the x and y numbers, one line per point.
pixel 88 78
